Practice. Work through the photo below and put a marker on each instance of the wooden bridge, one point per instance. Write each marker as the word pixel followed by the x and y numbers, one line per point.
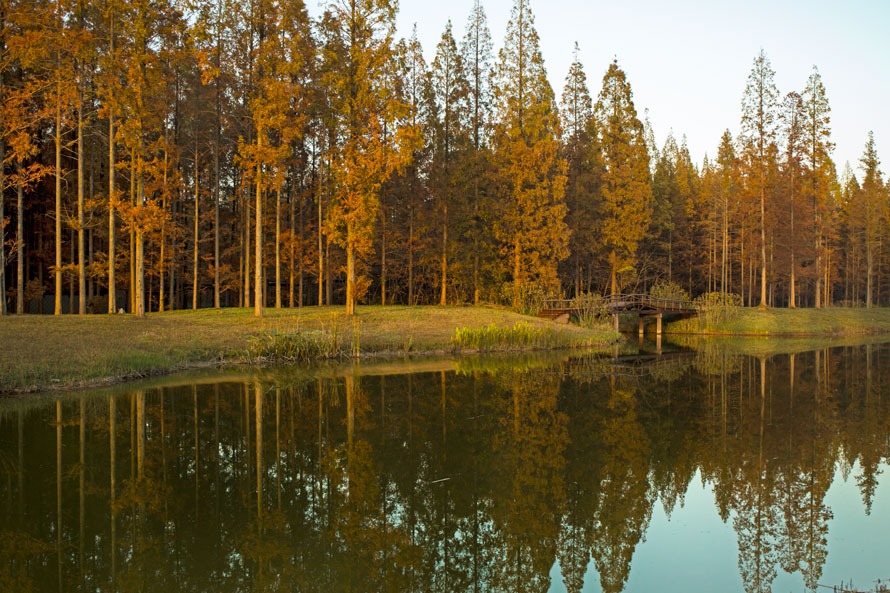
pixel 643 305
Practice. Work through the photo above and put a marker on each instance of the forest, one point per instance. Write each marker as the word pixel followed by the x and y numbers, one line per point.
pixel 163 154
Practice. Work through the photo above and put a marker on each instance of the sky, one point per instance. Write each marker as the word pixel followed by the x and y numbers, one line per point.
pixel 688 60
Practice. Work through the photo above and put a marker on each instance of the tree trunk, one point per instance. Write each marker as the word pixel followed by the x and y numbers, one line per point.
pixel 81 255
pixel 20 245
pixel 320 243
pixel 139 292
pixel 517 270
pixel 195 253
pixel 762 243
pixel 293 239
pixel 383 252
pixel 444 297
pixel 57 309
pixel 112 231
pixel 258 264
pixel 2 218
pixel 350 271
pixel 278 248
pixel 411 254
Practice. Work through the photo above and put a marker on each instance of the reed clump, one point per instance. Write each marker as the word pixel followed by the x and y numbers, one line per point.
pixel 493 337
pixel 296 346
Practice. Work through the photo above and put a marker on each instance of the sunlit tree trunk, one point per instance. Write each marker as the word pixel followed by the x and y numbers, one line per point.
pixel 58 175
pixel 81 254
pixel 278 248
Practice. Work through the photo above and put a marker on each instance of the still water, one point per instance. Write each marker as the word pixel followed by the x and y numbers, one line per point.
pixel 708 470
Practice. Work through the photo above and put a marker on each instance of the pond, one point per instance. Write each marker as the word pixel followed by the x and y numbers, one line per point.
pixel 699 468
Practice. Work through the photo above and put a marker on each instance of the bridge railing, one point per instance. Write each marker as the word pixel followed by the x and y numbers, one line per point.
pixel 622 302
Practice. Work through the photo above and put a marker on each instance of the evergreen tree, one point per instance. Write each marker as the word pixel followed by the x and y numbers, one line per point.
pixel 873 198
pixel 627 193
pixel 584 171
pixel 477 56
pixel 531 227
pixel 816 156
pixel 792 126
pixel 758 133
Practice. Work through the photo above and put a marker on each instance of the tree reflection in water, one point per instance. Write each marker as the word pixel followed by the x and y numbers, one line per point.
pixel 476 480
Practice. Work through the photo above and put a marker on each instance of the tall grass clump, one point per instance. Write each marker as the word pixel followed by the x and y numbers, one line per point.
pixel 520 336
pixel 295 346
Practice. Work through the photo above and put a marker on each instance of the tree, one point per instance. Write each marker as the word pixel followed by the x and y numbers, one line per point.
pixel 476 49
pixel 793 139
pixel 531 227
pixel 627 193
pixel 758 132
pixel 584 170
pixel 817 147
pixel 364 155
pixel 873 207
pixel 450 90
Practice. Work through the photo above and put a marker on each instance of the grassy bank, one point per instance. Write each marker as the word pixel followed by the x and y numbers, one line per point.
pixel 788 322
pixel 42 352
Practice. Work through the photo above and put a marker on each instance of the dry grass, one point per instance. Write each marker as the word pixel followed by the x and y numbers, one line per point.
pixel 39 352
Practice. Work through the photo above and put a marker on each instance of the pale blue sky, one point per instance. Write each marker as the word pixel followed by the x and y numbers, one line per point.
pixel 688 60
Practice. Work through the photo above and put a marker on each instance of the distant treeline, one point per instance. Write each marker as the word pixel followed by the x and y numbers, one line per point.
pixel 225 152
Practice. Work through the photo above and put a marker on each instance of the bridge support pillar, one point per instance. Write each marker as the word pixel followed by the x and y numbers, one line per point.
pixel 658 324
pixel 615 321
pixel 642 325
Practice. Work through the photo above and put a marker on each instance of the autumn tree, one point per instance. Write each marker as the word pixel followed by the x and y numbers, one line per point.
pixel 364 156
pixel 759 121
pixel 626 191
pixel 583 172
pixel 873 205
pixel 792 127
pixel 531 227
pixel 816 157
pixel 450 90
pixel 476 49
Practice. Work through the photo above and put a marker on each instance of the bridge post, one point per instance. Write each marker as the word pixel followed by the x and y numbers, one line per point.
pixel 615 321
pixel 658 324
pixel 642 325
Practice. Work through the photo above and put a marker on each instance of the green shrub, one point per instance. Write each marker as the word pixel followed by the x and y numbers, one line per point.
pixel 669 290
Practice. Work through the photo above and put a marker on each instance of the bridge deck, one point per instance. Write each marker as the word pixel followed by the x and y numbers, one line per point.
pixel 618 303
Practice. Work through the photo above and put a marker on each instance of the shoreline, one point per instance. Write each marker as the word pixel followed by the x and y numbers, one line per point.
pixel 52 354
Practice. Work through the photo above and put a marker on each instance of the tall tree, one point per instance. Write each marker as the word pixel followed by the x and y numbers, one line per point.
pixel 759 120
pixel 873 206
pixel 450 90
pixel 477 54
pixel 817 148
pixel 531 227
pixel 792 125
pixel 627 193
pixel 584 170
pixel 364 155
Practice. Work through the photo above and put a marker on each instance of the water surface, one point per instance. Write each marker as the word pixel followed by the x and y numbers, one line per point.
pixel 708 470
